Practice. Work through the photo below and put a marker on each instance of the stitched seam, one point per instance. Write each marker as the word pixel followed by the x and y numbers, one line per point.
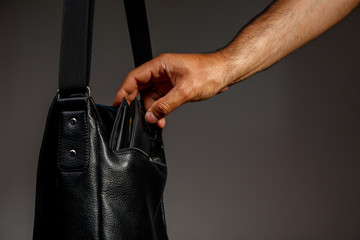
pixel 99 187
pixel 87 140
pixel 59 140
pixel 98 174
pixel 141 152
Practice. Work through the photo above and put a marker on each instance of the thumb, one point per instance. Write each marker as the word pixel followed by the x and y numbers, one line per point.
pixel 165 105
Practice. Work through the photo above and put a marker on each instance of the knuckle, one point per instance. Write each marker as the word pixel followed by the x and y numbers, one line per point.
pixel 130 75
pixel 165 58
pixel 154 63
pixel 164 55
pixel 160 62
pixel 163 109
pixel 184 93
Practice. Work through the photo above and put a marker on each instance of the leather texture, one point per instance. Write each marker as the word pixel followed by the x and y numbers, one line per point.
pixel 101 170
pixel 88 190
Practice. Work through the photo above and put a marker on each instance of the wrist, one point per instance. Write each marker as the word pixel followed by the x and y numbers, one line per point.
pixel 246 56
pixel 234 66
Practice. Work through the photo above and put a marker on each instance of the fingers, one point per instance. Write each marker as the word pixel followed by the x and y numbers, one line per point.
pixel 161 123
pixel 165 105
pixel 149 97
pixel 137 80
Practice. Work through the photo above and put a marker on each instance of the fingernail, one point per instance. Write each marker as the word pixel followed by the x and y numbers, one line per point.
pixel 150 117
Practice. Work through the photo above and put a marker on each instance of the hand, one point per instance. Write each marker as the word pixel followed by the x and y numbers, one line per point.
pixel 171 80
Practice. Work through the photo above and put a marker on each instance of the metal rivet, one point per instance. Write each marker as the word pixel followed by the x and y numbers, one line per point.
pixel 73 121
pixel 72 153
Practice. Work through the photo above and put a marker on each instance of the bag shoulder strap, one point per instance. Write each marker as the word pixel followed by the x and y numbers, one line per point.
pixel 76 41
pixel 138 30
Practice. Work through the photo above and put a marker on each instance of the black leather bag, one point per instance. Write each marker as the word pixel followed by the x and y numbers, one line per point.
pixel 101 171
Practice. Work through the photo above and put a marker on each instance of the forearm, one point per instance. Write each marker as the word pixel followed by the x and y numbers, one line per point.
pixel 175 79
pixel 281 29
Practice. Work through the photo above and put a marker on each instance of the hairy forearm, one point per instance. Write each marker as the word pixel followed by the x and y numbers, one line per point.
pixel 284 27
pixel 179 78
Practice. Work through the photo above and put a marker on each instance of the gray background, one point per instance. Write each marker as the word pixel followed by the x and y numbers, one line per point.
pixel 275 157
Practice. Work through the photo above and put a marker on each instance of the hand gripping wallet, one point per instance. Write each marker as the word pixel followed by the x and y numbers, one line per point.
pixel 101 170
